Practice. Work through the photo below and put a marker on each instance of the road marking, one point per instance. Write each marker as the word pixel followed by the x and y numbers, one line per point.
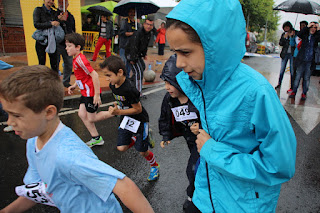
pixel 68 111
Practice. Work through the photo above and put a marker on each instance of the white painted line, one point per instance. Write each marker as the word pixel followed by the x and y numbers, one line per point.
pixel 102 105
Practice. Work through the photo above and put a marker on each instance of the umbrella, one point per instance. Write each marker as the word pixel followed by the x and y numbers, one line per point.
pixel 299 6
pixel 107 4
pixel 142 7
pixel 100 10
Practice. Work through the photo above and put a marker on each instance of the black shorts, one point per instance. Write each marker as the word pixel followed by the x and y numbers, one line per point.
pixel 88 102
pixel 141 144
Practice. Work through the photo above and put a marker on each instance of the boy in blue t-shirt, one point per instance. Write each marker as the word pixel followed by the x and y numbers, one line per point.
pixel 133 130
pixel 63 171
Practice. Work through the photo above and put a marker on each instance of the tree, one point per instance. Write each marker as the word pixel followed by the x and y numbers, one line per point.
pixel 259 12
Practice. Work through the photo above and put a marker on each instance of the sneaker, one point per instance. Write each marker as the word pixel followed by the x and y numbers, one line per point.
pixel 303 97
pixel 151 140
pixel 292 95
pixel 289 91
pixel 8 129
pixel 278 86
pixel 94 142
pixel 66 85
pixel 186 203
pixel 154 47
pixel 91 60
pixel 154 173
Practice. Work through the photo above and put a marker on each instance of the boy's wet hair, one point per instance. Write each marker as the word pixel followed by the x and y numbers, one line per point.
pixel 192 34
pixel 113 64
pixel 37 86
pixel 76 39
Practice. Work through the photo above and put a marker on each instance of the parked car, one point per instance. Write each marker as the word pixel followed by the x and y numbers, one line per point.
pixel 270 46
pixel 277 49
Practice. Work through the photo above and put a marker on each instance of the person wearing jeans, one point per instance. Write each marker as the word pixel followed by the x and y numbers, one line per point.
pixel 287 50
pixel 105 36
pixel 310 37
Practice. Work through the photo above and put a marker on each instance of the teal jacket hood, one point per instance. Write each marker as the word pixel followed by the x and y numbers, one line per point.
pixel 221 28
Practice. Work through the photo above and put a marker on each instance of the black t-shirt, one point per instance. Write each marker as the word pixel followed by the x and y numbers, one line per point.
pixel 126 95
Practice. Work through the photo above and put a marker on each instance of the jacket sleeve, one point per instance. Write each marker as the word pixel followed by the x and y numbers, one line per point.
pixel 272 162
pixel 165 125
pixel 282 41
pixel 36 20
pixel 123 27
pixel 304 33
pixel 134 47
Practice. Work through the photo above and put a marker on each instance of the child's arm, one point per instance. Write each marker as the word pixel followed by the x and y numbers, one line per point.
pixel 195 128
pixel 96 83
pixel 136 109
pixel 71 88
pixel 21 204
pixel 131 196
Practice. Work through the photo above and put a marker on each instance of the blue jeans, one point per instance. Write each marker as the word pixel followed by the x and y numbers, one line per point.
pixel 67 63
pixel 284 61
pixel 123 57
pixel 304 71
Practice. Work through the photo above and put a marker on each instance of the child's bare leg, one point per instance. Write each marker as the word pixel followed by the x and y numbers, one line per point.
pixel 83 114
pixel 102 115
pixel 123 148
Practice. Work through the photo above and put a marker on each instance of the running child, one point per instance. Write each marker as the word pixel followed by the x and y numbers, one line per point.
pixel 179 118
pixel 133 130
pixel 88 82
pixel 63 171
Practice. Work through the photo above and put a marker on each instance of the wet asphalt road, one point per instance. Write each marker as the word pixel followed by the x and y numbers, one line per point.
pixel 300 194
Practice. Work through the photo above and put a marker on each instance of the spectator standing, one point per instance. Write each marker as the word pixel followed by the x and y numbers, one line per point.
pixel 247 145
pixel 68 24
pixel 127 28
pixel 45 18
pixel 310 37
pixel 89 24
pixel 286 52
pixel 105 36
pixel 136 51
pixel 161 38
pixel 295 42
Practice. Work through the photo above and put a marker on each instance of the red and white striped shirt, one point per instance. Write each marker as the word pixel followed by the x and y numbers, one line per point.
pixel 82 70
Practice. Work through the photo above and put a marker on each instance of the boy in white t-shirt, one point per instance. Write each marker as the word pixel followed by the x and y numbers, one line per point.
pixel 63 171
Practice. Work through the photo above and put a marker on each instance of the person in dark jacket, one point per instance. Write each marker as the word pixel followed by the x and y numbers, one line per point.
pixel 310 37
pixel 179 117
pixel 68 24
pixel 44 18
pixel 89 25
pixel 286 52
pixel 136 51
pixel 105 36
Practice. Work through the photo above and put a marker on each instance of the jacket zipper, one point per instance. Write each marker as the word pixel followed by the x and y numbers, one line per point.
pixel 205 117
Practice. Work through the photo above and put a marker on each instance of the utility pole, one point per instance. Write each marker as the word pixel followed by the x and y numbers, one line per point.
pixel 265 31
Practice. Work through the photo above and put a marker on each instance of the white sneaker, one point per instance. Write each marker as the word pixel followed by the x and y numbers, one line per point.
pixel 8 129
pixel 94 142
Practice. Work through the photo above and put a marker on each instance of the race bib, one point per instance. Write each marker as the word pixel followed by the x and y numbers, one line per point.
pixel 80 85
pixel 181 113
pixel 130 124
pixel 35 192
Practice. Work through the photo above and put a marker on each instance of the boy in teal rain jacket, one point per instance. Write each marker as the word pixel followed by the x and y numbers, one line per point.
pixel 247 145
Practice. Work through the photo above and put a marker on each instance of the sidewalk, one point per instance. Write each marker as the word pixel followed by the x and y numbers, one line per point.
pixel 157 62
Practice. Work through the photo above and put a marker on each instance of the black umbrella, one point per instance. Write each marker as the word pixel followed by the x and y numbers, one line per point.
pixel 142 7
pixel 299 6
pixel 100 10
